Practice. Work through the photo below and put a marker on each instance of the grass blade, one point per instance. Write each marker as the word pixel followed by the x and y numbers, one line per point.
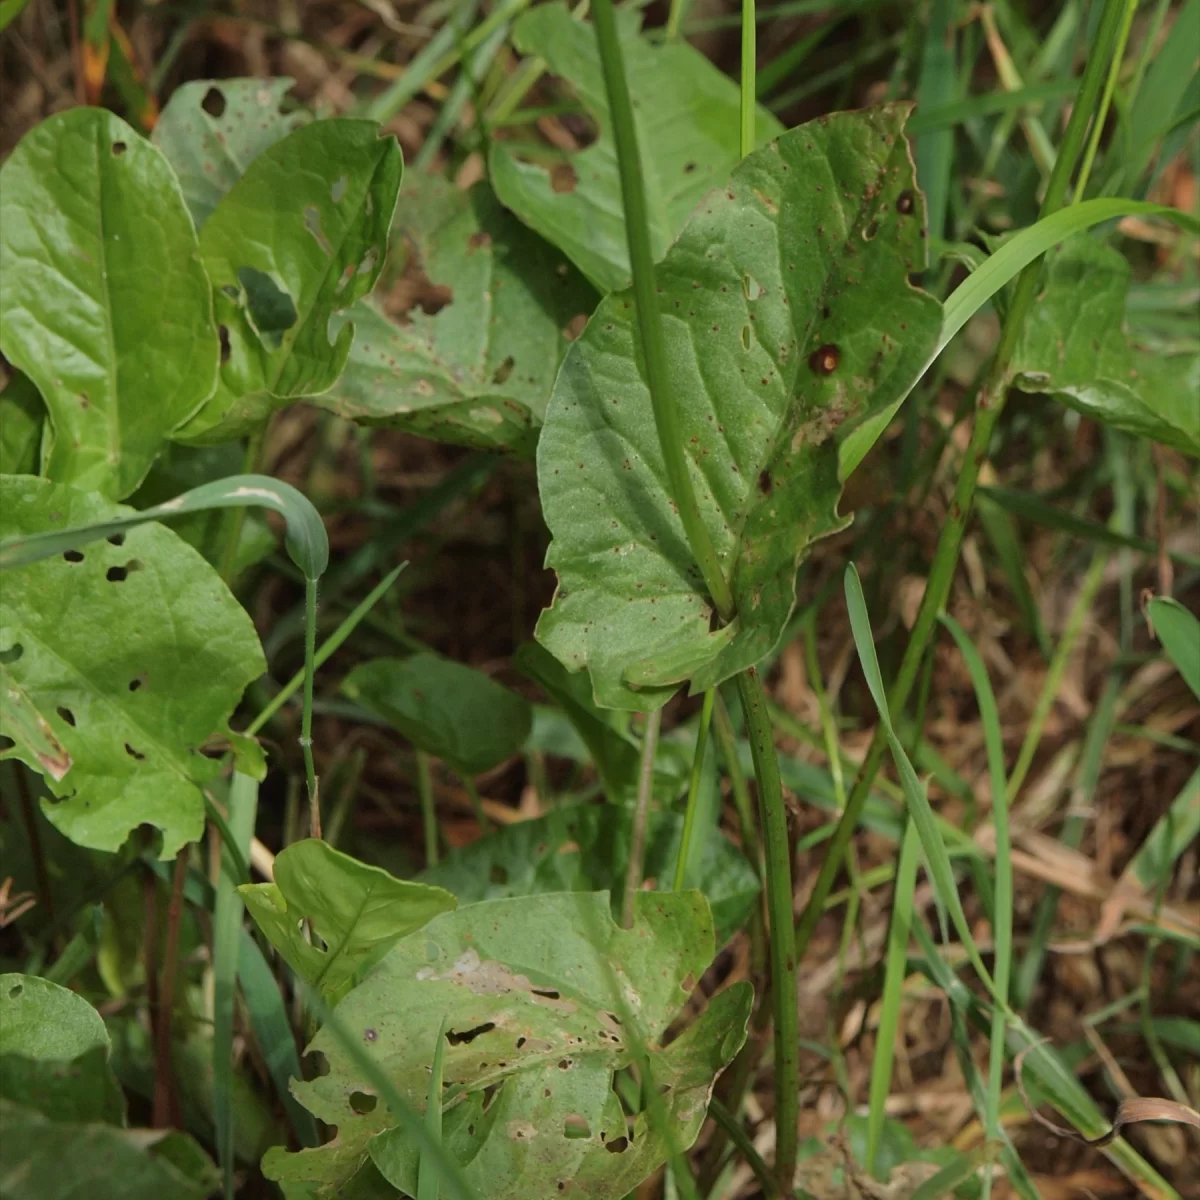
pixel 428 1178
pixel 227 927
pixel 893 985
pixel 689 819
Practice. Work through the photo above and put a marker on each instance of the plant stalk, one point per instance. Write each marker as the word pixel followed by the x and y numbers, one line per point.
pixel 641 814
pixel 749 67
pixel 988 407
pixel 428 807
pixel 689 819
pixel 165 1105
pixel 310 654
pixel 780 913
pixel 658 380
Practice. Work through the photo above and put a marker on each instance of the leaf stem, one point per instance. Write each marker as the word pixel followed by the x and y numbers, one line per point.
pixel 165 1102
pixel 989 405
pixel 779 909
pixel 637 233
pixel 749 67
pixel 641 813
pixel 428 809
pixel 689 818
pixel 310 654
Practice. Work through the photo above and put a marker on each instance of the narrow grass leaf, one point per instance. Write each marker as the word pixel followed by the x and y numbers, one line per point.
pixel 428 1178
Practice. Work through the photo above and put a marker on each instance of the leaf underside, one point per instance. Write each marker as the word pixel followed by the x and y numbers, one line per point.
pixel 135 652
pixel 538 994
pixel 789 319
pixel 466 332
pixel 1074 347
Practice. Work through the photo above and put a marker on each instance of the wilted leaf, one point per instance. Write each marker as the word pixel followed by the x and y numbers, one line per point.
pixel 104 303
pixel 464 344
pixel 1074 347
pixel 22 414
pixel 300 237
pixel 789 320
pixel 41 1158
pixel 686 112
pixel 134 652
pixel 584 848
pixel 212 129
pixel 54 1053
pixel 537 994
pixel 451 711
pixel 357 912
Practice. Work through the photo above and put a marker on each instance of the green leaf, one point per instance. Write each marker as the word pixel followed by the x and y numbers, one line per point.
pixel 477 371
pixel 22 415
pixel 211 130
pixel 1179 631
pixel 532 991
pixel 358 911
pixel 451 711
pixel 134 652
pixel 104 302
pixel 582 848
pixel 686 112
pixel 54 1053
pixel 41 1158
pixel 615 755
pixel 1074 348
pixel 182 468
pixel 789 322
pixel 299 238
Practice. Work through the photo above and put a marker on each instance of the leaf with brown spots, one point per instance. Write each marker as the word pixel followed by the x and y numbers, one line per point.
pixel 790 327
pixel 543 998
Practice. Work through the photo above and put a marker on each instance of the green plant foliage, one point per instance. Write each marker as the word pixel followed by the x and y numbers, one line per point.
pixel 41 1158
pixel 789 321
pixel 300 237
pixel 1074 348
pixel 103 304
pixel 1179 631
pixel 180 469
pixel 211 130
pixel 687 122
pixel 544 997
pixel 477 371
pixel 614 754
pixel 22 414
pixel 357 911
pixel 449 710
pixel 134 652
pixel 580 848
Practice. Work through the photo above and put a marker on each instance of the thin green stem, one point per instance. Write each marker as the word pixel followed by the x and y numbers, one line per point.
pixel 989 405
pixel 485 826
pixel 689 818
pixel 641 814
pixel 727 746
pixel 658 379
pixel 1110 86
pixel 679 9
pixel 310 654
pixel 779 908
pixel 741 1139
pixel 749 67
pixel 428 809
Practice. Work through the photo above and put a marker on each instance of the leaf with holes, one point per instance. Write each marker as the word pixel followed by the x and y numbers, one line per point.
pixel 789 321
pixel 465 339
pixel 1074 347
pixel 104 302
pixel 22 415
pixel 212 129
pixel 544 998
pixel 54 1052
pixel 358 911
pixel 451 711
pixel 40 1158
pixel 135 654
pixel 686 113
pixel 298 239
pixel 580 848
